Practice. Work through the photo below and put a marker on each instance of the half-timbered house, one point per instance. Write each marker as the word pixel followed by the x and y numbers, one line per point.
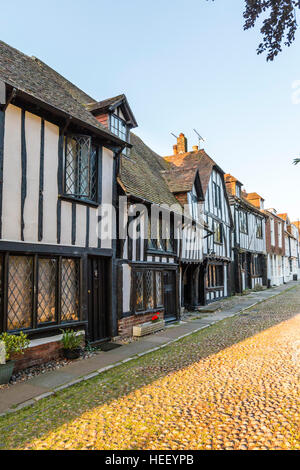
pixel 195 179
pixel 148 271
pixel 58 164
pixel 249 237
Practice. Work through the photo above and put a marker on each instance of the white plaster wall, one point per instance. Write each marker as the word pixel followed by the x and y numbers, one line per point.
pixel 33 148
pixel 11 206
pixel 50 183
pixel 107 180
pixel 126 287
pixel 93 238
pixel 80 225
pixel 66 223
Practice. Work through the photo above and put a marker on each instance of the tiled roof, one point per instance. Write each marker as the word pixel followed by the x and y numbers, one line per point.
pixel 182 169
pixel 33 77
pixel 141 174
pixel 105 104
pixel 283 216
pixel 245 203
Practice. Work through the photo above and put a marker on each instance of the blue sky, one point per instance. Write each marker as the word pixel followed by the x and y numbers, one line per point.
pixel 182 65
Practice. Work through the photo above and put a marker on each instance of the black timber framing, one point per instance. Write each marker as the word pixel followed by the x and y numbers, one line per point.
pixel 2 130
pixel 59 182
pixel 41 182
pixel 73 234
pixel 87 237
pixel 23 172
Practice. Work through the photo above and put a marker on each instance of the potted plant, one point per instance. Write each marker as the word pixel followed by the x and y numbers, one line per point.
pixel 155 324
pixel 71 342
pixel 10 345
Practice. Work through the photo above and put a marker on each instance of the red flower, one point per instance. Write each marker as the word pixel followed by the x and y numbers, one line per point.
pixel 155 317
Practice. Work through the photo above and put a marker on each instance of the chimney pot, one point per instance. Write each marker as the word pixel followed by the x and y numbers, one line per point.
pixel 175 150
pixel 195 148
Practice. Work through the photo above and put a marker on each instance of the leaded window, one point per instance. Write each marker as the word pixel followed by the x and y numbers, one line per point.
pixel 69 290
pixel 46 308
pixel 147 290
pixel 80 168
pixel 34 297
pixel 139 291
pixel 19 297
pixel 159 293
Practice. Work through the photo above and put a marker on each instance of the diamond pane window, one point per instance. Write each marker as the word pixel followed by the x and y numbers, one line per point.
pixel 159 297
pixel 139 301
pixel 19 296
pixel 149 290
pixel 69 290
pixel 80 167
pixel 46 291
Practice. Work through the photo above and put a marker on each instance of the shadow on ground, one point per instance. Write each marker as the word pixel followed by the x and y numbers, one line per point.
pixel 19 429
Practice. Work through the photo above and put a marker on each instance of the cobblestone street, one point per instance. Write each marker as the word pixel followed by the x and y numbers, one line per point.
pixel 233 386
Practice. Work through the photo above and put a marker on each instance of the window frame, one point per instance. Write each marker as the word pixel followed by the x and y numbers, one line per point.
pixel 97 149
pixel 35 325
pixel 144 307
pixel 217 195
pixel 220 225
pixel 243 222
pixel 259 225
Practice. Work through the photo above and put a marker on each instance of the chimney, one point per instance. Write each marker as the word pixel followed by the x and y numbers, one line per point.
pixel 175 150
pixel 195 148
pixel 230 182
pixel 181 144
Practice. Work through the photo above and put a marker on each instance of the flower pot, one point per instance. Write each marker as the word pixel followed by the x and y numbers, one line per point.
pixel 148 328
pixel 6 371
pixel 72 353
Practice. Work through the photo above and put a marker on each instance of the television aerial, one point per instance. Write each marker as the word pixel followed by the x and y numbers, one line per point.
pixel 200 138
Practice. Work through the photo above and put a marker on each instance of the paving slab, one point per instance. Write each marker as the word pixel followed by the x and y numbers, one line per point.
pixel 18 394
pixel 52 379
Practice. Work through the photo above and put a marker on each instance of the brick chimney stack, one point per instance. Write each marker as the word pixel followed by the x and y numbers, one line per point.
pixel 182 143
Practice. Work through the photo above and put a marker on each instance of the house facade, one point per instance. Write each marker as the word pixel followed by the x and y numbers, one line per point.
pixel 275 245
pixel 58 166
pixel 195 179
pixel 291 242
pixel 147 252
pixel 249 237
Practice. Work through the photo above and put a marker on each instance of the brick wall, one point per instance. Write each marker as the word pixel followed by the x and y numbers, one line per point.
pixel 274 249
pixel 126 324
pixel 38 355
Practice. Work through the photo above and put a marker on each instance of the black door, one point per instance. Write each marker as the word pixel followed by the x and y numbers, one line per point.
pixel 170 295
pixel 97 299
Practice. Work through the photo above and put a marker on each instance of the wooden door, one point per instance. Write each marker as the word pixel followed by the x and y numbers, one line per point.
pixel 97 299
pixel 170 295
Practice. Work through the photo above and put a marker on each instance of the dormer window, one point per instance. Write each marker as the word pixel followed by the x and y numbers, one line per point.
pixel 118 127
pixel 80 178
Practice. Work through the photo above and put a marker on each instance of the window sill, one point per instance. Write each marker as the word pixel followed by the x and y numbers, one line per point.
pixel 153 251
pixel 145 312
pixel 84 202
